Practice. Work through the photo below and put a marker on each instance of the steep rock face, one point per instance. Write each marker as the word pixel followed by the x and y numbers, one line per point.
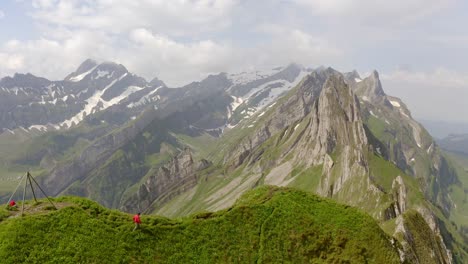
pixel 297 106
pixel 399 193
pixel 370 89
pixel 175 177
pixel 402 140
pixel 332 136
pixel 399 199
pixel 340 129
pixel 322 125
pixel 63 175
pixel 335 122
pixel 422 242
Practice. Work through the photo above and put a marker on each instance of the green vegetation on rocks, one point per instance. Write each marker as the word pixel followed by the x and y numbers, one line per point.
pixel 266 225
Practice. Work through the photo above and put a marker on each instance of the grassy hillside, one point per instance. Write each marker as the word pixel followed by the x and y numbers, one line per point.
pixel 266 225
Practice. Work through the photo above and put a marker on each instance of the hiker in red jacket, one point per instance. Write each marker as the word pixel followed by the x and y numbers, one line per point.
pixel 137 221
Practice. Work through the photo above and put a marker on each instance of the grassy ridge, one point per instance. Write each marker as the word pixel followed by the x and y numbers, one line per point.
pixel 266 225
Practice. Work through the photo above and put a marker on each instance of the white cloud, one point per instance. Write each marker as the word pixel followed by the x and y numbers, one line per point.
pixel 294 45
pixel 52 58
pixel 147 54
pixel 175 17
pixel 2 14
pixel 441 77
pixel 174 62
pixel 153 39
pixel 377 11
pixel 141 34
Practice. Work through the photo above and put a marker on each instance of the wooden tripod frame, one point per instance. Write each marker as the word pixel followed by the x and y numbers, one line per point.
pixel 28 178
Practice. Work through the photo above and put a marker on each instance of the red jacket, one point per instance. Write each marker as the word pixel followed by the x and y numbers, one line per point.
pixel 12 203
pixel 136 219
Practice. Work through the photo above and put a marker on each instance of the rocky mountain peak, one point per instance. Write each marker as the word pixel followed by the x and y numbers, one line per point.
pixel 109 65
pixel 370 89
pixel 23 80
pixel 353 76
pixel 155 82
pixel 314 82
pixel 290 66
pixel 86 66
pixel 339 115
pixel 91 69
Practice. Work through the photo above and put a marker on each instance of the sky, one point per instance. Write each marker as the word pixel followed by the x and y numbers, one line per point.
pixel 419 47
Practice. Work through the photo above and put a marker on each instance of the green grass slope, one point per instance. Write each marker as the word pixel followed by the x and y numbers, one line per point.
pixel 266 225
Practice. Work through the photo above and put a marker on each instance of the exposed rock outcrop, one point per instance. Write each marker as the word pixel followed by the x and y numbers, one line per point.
pixel 422 242
pixel 63 175
pixel 399 195
pixel 177 176
pixel 370 89
pixel 296 107
pixel 333 127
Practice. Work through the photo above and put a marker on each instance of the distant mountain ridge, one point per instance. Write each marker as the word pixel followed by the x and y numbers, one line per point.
pixel 441 129
pixel 31 102
pixel 455 143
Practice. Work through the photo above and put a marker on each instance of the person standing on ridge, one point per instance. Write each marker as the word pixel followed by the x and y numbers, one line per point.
pixel 137 221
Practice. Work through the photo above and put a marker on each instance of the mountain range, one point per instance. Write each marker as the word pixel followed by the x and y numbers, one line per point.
pixel 133 145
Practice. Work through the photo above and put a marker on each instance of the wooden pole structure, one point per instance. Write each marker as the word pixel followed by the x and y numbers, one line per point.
pixel 17 187
pixel 37 184
pixel 32 189
pixel 24 196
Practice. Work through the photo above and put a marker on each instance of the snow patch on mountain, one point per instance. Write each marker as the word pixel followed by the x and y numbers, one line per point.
pixel 80 77
pixel 101 74
pixel 429 150
pixel 237 101
pixel 395 103
pixel 38 127
pixel 9 131
pixel 91 103
pixel 125 94
pixel 274 93
pixel 150 97
pixel 246 77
